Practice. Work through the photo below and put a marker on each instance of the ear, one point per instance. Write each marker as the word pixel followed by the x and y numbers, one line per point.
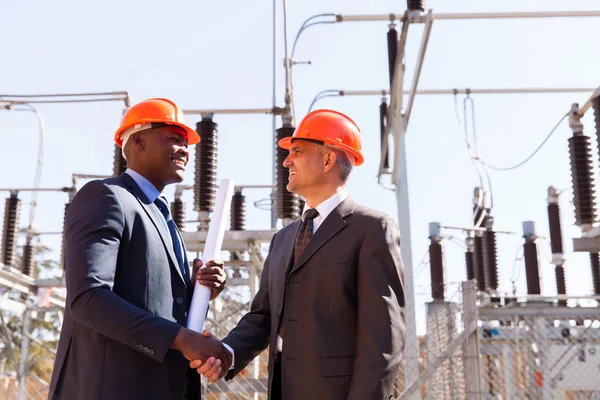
pixel 138 141
pixel 329 160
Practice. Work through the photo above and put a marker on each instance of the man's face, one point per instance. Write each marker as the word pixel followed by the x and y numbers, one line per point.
pixel 165 154
pixel 306 167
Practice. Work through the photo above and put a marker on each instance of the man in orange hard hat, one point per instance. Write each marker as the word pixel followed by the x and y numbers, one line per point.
pixel 331 297
pixel 128 282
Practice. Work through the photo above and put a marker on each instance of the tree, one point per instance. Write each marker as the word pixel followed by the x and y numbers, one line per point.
pixel 45 326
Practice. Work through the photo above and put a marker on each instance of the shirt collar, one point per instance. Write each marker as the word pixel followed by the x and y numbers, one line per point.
pixel 327 206
pixel 148 188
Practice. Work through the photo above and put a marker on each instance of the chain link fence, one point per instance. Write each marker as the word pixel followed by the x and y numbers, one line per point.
pixel 551 354
pixel 466 350
pixel 28 341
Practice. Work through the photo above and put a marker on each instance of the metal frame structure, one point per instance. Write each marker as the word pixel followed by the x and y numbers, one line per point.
pixel 396 127
pixel 397 123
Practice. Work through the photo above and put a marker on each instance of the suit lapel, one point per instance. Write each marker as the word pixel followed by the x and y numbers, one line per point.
pixel 334 223
pixel 288 243
pixel 149 209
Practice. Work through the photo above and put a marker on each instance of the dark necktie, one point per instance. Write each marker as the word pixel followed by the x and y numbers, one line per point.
pixel 161 203
pixel 304 233
pixel 302 239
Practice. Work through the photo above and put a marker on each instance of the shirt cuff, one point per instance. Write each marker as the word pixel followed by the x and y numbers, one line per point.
pixel 232 354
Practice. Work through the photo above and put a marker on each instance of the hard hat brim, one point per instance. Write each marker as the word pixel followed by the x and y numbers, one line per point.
pixel 192 136
pixel 286 143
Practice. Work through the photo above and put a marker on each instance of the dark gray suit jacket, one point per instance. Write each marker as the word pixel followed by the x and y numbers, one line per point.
pixel 344 321
pixel 126 300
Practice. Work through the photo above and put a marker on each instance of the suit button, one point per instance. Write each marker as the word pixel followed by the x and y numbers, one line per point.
pixel 179 300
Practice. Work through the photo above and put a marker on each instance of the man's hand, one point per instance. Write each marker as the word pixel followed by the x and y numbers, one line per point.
pixel 205 347
pixel 211 369
pixel 212 276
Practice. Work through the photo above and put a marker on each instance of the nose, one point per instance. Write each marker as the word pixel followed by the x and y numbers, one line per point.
pixel 287 162
pixel 184 150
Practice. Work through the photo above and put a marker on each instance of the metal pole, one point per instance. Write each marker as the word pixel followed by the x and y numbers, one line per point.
pixel 588 103
pixel 472 347
pixel 540 330
pixel 63 189
pixel 518 15
pixel 420 59
pixel 23 367
pixel 254 276
pixel 33 101
pixel 411 353
pixel 273 110
pixel 2 96
pixel 274 121
pixel 411 365
pixel 459 16
pixel 288 82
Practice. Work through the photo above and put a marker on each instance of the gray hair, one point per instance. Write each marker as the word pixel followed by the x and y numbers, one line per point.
pixel 342 161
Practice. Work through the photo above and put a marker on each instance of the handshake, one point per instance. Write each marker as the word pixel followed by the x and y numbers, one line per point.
pixel 205 352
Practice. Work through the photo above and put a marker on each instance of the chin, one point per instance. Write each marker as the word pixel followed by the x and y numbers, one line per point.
pixel 292 188
pixel 177 177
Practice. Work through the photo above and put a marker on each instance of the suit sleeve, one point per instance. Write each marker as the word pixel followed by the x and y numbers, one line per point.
pixel 251 335
pixel 381 322
pixel 95 224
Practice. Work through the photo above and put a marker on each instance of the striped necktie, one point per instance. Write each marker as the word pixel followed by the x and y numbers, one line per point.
pixel 162 205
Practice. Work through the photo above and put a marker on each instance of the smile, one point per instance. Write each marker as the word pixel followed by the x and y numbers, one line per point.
pixel 179 161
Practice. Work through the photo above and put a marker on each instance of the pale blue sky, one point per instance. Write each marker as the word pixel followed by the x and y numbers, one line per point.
pixel 219 55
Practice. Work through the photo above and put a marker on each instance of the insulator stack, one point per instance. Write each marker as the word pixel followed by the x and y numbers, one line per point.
pixel 416 5
pixel 205 178
pixel 490 259
pixel 469 259
pixel 392 44
pixel 178 213
pixel 561 283
pixel 556 242
pixel 10 234
pixel 287 203
pixel 530 253
pixel 119 163
pixel 595 264
pixel 238 211
pixel 64 237
pixel 383 108
pixel 479 263
pixel 596 107
pixel 478 256
pixel 238 217
pixel 556 239
pixel 584 198
pixel 436 263
pixel 28 267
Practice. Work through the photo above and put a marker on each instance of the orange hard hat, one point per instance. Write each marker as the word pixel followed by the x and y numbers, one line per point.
pixel 332 128
pixel 156 110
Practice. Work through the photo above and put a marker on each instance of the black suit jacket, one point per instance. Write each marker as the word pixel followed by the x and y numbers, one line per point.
pixel 344 321
pixel 126 300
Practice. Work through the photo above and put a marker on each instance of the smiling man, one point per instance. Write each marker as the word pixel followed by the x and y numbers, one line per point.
pixel 128 280
pixel 331 297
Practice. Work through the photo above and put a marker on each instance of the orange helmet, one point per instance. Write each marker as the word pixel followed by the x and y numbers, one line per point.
pixel 157 110
pixel 330 127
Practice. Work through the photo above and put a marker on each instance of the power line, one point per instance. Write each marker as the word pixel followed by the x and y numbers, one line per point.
pixel 530 156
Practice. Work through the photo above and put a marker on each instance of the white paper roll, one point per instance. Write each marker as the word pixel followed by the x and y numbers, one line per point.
pixel 212 249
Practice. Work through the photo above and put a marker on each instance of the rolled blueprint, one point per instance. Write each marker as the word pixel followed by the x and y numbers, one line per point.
pixel 212 249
